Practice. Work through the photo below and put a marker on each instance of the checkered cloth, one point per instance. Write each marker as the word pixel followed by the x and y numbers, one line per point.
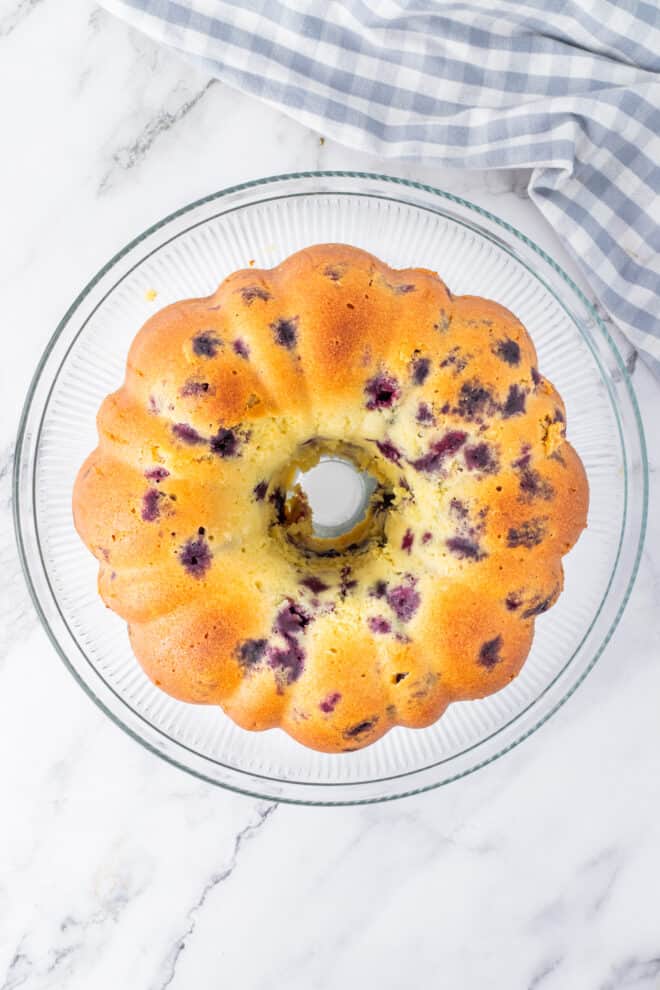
pixel 569 88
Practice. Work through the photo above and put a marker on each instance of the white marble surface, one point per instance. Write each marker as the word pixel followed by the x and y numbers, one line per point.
pixel 116 870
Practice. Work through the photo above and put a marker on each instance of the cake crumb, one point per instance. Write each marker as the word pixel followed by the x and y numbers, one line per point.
pixel 251 262
pixel 150 295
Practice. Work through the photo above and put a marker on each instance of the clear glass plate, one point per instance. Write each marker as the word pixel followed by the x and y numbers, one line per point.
pixel 406 224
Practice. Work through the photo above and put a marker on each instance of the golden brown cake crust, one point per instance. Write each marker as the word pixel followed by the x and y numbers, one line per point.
pixel 202 551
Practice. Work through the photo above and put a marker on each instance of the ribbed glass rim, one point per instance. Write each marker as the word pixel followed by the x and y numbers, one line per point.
pixel 254 781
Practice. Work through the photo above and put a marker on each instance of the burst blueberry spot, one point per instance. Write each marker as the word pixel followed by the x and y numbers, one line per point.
pixel 513 602
pixel 472 400
pixel 515 402
pixel 424 414
pixel 286 332
pixel 193 387
pixel 251 651
pixel 154 407
pixel 388 450
pixel 446 447
pixel 559 416
pixel 259 491
pixel 464 548
pixel 289 661
pixel 187 434
pixel 347 583
pixel 291 620
pixel 206 344
pixel 224 443
pixel 536 378
pixel 330 702
pixel 241 348
pixel 489 654
pixel 403 288
pixel 278 501
pixel 529 534
pixel 151 505
pixel 459 508
pixel 407 541
pixel 382 391
pixel 479 458
pixel 361 728
pixel 444 321
pixel 508 350
pixel 420 370
pixel 379 624
pixel 404 600
pixel 534 485
pixel 157 474
pixel 315 585
pixel 195 555
pixel 378 590
pixel 538 607
pixel 251 292
pixel 524 459
pixel 455 360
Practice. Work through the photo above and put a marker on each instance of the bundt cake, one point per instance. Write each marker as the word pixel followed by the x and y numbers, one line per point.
pixel 206 544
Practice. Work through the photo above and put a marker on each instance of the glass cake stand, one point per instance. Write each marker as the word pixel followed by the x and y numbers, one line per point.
pixel 188 254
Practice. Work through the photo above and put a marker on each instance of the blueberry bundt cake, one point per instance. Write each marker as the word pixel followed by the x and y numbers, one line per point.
pixel 206 544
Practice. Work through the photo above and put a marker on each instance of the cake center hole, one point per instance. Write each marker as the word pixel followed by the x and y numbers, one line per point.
pixel 338 494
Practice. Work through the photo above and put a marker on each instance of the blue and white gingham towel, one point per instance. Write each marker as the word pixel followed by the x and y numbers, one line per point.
pixel 570 88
